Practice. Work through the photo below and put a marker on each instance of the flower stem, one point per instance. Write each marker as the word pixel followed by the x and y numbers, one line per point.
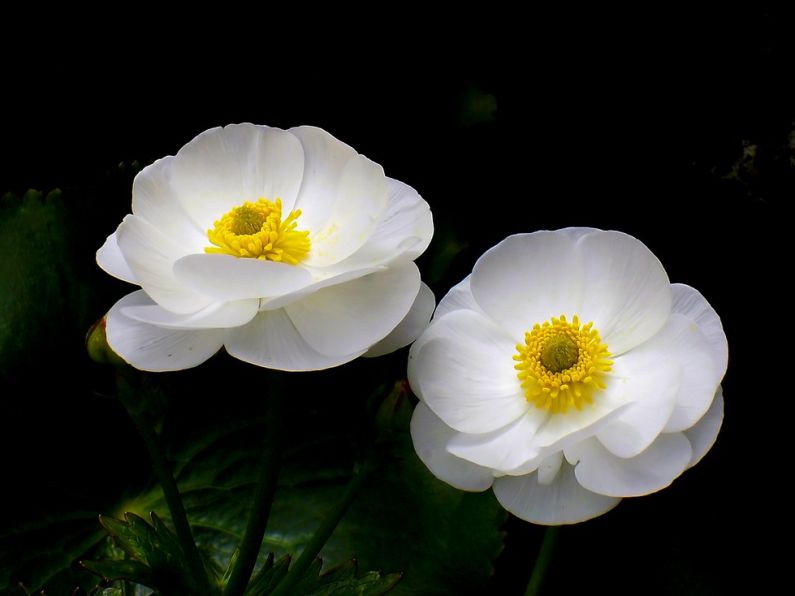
pixel 173 500
pixel 543 560
pixel 263 492
pixel 324 531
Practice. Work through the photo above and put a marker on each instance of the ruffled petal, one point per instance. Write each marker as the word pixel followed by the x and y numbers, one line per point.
pixel 410 327
pixel 351 317
pixel 702 436
pixel 343 197
pixel 626 290
pixel 465 373
pixel 691 303
pixel 505 449
pixel 549 468
pixel 215 316
pixel 458 298
pixel 561 430
pixel 602 472
pixel 155 200
pixel 430 435
pixel 650 378
pixel 563 501
pixel 703 356
pixel 111 260
pixel 403 233
pixel 528 279
pixel 325 157
pixel 224 277
pixel 271 340
pixel 151 256
pixel 224 167
pixel 321 281
pixel 157 349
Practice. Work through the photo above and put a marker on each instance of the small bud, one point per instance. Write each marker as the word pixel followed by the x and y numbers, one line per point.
pixel 97 345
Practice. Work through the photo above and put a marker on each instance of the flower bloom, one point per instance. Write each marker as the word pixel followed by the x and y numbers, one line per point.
pixel 288 248
pixel 566 372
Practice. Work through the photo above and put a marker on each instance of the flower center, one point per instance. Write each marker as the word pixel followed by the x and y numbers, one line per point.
pixel 562 364
pixel 256 230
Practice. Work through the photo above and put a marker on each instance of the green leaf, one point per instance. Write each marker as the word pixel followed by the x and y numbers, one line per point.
pixel 404 520
pixel 269 575
pixel 42 553
pixel 442 539
pixel 345 580
pixel 40 284
pixel 155 547
pixel 128 570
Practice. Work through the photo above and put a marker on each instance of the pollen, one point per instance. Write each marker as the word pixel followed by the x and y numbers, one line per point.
pixel 562 365
pixel 257 231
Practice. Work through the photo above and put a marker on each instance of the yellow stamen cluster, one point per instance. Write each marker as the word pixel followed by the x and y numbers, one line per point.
pixel 562 364
pixel 257 231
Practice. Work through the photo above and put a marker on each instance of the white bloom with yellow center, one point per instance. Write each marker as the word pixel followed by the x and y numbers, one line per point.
pixel 567 372
pixel 286 247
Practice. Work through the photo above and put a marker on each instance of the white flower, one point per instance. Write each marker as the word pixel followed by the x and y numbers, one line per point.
pixel 566 372
pixel 288 248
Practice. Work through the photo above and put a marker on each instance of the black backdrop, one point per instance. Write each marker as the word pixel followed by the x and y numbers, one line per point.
pixel 679 134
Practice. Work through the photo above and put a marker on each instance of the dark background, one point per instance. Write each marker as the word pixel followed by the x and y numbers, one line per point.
pixel 678 130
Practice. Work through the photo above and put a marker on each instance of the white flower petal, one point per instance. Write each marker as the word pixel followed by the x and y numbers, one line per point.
pixel 626 290
pixel 576 233
pixel 351 317
pixel 111 260
pixel 528 279
pixel 403 232
pixel 430 435
pixel 465 373
pixel 702 436
pixel 602 472
pixel 324 282
pixel 560 431
pixel 151 256
pixel 271 340
pixel 649 377
pixel 342 199
pixel 157 349
pixel 505 449
pixel 155 200
pixel 224 167
pixel 564 501
pixel 458 298
pixel 360 203
pixel 325 157
pixel 224 277
pixel 691 303
pixel 703 356
pixel 549 468
pixel 700 374
pixel 410 327
pixel 217 315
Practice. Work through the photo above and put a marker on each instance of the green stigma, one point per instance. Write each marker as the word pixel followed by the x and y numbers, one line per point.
pixel 559 353
pixel 247 220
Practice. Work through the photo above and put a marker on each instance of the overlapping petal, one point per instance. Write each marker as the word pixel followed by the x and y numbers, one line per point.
pixel 465 374
pixel 431 437
pixel 223 167
pixel 648 411
pixel 271 340
pixel 561 501
pixel 355 288
pixel 155 348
